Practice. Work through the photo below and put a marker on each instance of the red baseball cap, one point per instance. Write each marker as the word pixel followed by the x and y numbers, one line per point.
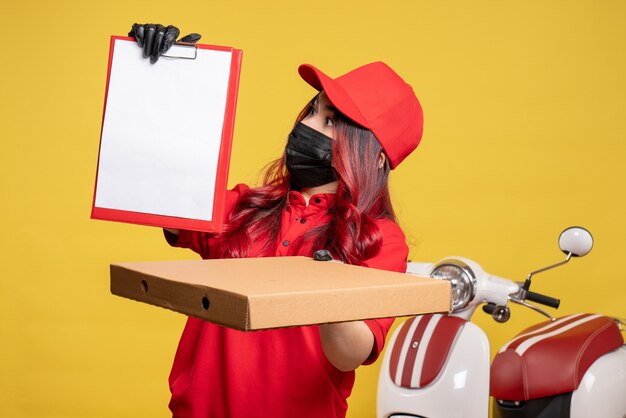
pixel 376 98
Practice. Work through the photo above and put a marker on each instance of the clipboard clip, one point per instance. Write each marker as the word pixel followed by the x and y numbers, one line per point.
pixel 182 50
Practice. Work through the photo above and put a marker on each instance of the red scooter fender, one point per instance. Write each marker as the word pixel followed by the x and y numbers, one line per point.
pixel 435 366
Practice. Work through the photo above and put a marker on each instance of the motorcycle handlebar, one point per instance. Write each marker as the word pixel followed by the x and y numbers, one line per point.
pixel 543 299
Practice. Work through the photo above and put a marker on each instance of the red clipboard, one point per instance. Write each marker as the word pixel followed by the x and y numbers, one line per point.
pixel 166 136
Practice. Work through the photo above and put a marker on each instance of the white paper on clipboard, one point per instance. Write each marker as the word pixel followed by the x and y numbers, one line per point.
pixel 162 131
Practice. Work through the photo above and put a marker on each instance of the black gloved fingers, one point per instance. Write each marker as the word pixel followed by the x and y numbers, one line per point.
pixel 155 39
pixel 158 43
pixel 137 32
pixel 191 38
pixel 171 33
pixel 149 32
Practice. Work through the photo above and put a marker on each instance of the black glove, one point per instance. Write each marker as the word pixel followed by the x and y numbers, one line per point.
pixel 157 39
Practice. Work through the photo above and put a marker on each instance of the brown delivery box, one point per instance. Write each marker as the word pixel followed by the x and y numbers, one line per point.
pixel 272 292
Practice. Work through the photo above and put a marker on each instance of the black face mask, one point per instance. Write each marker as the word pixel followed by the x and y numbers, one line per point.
pixel 308 157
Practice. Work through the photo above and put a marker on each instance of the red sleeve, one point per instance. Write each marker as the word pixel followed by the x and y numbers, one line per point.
pixel 393 257
pixel 204 242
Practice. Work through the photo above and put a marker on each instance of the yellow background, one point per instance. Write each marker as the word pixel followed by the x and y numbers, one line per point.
pixel 524 135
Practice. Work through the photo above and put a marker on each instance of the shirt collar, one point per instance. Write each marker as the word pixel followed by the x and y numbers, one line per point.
pixel 323 200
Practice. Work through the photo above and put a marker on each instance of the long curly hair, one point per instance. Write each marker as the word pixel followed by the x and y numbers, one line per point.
pixel 362 197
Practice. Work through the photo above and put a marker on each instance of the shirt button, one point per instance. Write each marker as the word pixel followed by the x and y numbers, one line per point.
pixel 285 243
pixel 302 221
pixel 318 200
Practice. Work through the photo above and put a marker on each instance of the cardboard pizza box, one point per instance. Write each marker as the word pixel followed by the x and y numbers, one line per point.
pixel 273 292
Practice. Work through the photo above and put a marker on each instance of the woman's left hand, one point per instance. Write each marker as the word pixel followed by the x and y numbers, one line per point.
pixel 346 344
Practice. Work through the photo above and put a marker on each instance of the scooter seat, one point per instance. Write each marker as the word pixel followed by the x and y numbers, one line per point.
pixel 551 358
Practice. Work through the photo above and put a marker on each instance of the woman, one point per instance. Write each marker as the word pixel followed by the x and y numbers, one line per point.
pixel 329 191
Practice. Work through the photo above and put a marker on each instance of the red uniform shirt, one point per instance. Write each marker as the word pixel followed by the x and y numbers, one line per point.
pixel 281 373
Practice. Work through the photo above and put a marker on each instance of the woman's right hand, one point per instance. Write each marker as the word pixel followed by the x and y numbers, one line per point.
pixel 156 39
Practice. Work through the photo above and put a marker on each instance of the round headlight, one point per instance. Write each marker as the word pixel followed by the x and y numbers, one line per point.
pixel 462 281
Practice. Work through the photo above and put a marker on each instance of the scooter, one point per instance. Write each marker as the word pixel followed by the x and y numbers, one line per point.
pixel 438 366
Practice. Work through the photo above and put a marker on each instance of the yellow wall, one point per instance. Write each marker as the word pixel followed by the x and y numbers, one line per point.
pixel 524 135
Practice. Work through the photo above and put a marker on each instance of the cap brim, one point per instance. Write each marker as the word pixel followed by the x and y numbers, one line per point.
pixel 312 75
pixel 336 94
